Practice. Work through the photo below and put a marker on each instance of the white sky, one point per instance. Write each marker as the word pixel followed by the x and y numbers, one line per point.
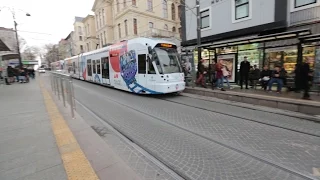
pixel 53 17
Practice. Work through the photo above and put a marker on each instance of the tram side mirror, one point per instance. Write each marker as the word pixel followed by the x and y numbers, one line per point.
pixel 149 49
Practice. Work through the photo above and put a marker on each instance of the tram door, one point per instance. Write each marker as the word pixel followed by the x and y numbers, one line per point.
pixel 105 70
pixel 89 70
pixel 142 69
pixel 97 76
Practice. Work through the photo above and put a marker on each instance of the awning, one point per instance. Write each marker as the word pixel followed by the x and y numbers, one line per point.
pixel 3 47
pixel 310 38
pixel 258 39
pixel 9 56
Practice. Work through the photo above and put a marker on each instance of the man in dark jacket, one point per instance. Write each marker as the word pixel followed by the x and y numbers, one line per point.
pixel 244 72
pixel 265 76
pixel 305 77
pixel 202 72
pixel 277 77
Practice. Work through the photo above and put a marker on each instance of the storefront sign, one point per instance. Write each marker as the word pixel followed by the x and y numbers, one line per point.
pixel 229 61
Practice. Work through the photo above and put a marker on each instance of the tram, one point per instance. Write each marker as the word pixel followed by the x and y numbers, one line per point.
pixel 140 65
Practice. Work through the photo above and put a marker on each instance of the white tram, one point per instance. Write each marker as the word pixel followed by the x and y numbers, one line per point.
pixel 140 65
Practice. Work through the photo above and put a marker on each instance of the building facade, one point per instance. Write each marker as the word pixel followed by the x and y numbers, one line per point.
pixel 90 37
pixel 70 44
pixel 119 20
pixel 267 32
pixel 79 36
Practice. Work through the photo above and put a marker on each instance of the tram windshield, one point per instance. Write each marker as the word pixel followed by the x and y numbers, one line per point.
pixel 167 60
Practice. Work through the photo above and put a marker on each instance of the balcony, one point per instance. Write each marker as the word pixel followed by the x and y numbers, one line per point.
pixel 159 33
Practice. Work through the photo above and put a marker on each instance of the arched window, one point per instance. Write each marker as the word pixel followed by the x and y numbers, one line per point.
pixel 165 8
pixel 150 5
pixel 166 27
pixel 173 12
pixel 173 29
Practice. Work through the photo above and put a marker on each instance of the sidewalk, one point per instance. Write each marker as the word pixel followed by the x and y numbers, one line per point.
pixel 27 145
pixel 39 140
pixel 287 101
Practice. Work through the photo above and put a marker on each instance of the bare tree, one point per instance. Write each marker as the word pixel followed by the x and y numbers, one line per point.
pixel 51 53
pixel 30 52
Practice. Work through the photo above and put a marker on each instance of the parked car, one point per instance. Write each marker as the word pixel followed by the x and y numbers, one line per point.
pixel 41 70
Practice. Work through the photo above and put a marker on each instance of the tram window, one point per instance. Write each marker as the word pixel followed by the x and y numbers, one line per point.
pixel 98 67
pixel 89 67
pixel 150 67
pixel 94 69
pixel 142 64
pixel 74 67
pixel 105 67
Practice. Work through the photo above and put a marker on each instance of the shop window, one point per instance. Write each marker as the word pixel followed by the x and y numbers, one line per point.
pixel 205 19
pixel 300 3
pixel 241 9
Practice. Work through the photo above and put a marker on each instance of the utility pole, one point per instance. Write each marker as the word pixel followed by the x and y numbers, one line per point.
pixel 198 42
pixel 18 44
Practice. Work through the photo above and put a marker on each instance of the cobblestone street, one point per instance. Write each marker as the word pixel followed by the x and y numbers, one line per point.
pixel 209 140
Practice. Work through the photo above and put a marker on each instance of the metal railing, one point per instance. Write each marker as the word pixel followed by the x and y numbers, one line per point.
pixel 62 86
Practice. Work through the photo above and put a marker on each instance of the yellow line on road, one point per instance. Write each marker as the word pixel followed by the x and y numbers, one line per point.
pixel 75 162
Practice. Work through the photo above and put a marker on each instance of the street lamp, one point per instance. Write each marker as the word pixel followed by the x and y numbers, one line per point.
pixel 15 27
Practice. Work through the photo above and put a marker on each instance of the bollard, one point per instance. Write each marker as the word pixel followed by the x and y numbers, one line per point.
pixel 71 97
pixel 58 88
pixel 62 90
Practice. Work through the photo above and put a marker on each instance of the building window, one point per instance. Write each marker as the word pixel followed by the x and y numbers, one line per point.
pixel 166 27
pixel 205 19
pixel 97 22
pixel 119 30
pixel 100 19
pixel 173 29
pixel 88 47
pixel 118 6
pixel 134 2
pixel 179 11
pixel 80 29
pixel 80 38
pixel 81 48
pixel 241 9
pixel 88 29
pixel 126 27
pixel 150 5
pixel 165 8
pixel 85 30
pixel 135 26
pixel 124 3
pixel 300 3
pixel 103 17
pixel 150 25
pixel 101 40
pixel 173 12
pixel 105 37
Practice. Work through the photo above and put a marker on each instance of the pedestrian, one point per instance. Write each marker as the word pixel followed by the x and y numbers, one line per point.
pixel 202 72
pixel 306 77
pixel 219 76
pixel 213 75
pixel 265 76
pixel 277 77
pixel 226 75
pixel 244 72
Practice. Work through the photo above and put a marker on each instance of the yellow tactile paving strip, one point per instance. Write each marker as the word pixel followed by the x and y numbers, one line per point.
pixel 75 162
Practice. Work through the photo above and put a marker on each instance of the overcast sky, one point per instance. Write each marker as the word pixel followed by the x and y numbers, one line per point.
pixel 53 17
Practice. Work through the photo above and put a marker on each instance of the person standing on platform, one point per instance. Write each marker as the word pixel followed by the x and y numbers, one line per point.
pixel 306 77
pixel 244 72
pixel 202 72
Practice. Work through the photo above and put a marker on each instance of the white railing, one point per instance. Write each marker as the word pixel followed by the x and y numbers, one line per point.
pixel 62 86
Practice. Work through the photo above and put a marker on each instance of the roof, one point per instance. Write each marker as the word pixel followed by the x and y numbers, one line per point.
pixel 69 35
pixel 78 19
pixel 3 47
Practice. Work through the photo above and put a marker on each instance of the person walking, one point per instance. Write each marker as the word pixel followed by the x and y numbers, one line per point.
pixel 219 76
pixel 202 72
pixel 244 72
pixel 226 74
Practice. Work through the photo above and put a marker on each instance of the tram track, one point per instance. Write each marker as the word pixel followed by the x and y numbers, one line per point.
pixel 245 118
pixel 213 140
